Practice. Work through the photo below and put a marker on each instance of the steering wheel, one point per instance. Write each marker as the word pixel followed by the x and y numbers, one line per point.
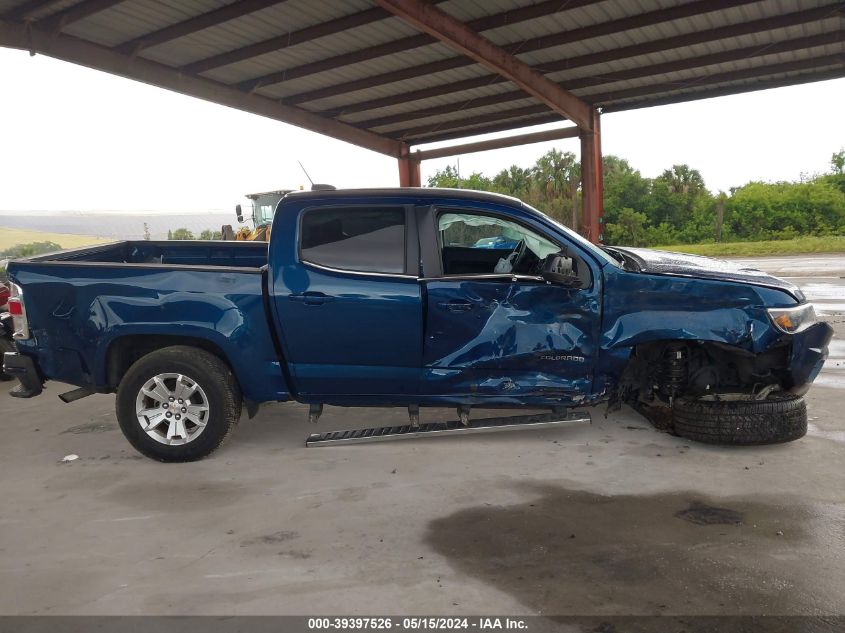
pixel 517 255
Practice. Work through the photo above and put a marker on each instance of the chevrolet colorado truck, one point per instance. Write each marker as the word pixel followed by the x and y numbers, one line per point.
pixel 400 298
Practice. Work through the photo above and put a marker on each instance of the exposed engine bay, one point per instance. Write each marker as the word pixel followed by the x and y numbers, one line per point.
pixel 659 373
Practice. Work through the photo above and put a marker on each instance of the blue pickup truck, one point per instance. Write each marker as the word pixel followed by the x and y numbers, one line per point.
pixel 382 298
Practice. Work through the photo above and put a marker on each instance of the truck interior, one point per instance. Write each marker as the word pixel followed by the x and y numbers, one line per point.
pixel 472 243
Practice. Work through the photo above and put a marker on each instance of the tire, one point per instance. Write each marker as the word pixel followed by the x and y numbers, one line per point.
pixel 5 346
pixel 204 380
pixel 743 423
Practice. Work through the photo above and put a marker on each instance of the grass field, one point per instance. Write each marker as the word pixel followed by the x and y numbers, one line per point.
pixel 12 237
pixel 797 246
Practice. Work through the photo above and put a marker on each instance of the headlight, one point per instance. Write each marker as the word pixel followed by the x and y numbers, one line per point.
pixel 792 320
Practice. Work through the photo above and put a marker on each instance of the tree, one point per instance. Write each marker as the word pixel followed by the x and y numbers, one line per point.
pixel 624 187
pixel 675 194
pixel 628 230
pixel 837 175
pixel 837 162
pixel 448 177
pixel 551 172
pixel 514 181
pixel 208 234
pixel 180 234
pixel 146 231
pixel 675 207
pixel 555 177
pixel 761 210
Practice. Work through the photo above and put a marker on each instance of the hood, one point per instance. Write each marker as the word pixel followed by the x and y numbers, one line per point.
pixel 683 265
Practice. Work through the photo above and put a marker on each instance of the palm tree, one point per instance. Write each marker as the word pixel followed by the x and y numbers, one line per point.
pixel 557 175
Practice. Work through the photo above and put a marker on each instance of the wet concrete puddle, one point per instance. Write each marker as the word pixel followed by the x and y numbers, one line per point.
pixel 570 551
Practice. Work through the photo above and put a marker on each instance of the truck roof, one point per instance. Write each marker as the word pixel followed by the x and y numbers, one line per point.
pixel 416 192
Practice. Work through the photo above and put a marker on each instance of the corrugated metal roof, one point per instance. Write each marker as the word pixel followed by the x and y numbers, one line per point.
pixel 351 61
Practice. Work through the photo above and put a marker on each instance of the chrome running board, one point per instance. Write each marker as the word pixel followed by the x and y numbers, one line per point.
pixel 438 429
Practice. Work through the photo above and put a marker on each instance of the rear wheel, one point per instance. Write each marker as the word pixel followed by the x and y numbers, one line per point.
pixel 178 404
pixel 745 422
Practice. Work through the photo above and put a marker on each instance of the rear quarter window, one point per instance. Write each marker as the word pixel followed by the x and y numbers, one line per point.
pixel 360 239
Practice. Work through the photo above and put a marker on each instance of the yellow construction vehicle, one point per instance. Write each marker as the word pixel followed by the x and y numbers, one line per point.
pixel 263 207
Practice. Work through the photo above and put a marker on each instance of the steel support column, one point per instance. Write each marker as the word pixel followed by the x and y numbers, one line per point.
pixel 592 181
pixel 409 170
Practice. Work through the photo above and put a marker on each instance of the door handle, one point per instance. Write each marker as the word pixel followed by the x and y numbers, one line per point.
pixel 455 305
pixel 312 298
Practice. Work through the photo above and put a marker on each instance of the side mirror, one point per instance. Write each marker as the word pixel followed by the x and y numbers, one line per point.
pixel 558 269
pixel 239 213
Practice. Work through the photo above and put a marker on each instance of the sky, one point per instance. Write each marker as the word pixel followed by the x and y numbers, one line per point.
pixel 72 138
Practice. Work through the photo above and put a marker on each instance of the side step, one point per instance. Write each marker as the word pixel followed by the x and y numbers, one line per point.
pixel 437 429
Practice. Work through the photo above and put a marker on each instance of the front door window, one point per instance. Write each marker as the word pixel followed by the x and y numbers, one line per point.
pixel 482 244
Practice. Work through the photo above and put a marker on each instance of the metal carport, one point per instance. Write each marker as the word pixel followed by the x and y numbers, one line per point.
pixel 388 75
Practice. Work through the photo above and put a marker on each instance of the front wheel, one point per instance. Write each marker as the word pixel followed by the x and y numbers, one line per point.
pixel 745 422
pixel 178 404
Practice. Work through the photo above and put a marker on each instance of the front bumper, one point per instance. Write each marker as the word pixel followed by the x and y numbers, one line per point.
pixel 24 369
pixel 809 351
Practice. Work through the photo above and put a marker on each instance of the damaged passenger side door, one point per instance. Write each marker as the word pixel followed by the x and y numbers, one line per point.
pixel 497 331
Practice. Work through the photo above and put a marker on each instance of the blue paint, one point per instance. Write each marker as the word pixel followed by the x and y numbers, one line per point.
pixel 361 339
pixel 76 312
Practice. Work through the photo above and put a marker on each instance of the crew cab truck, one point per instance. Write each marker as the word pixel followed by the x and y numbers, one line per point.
pixel 384 298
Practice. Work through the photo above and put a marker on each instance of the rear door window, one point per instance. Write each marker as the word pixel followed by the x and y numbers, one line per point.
pixel 360 239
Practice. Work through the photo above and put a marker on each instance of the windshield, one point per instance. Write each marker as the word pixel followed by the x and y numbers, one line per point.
pixel 579 239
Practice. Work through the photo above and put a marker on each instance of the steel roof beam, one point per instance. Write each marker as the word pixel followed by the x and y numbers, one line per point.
pixel 429 132
pixel 75 13
pixel 614 54
pixel 410 134
pixel 463 39
pixel 26 10
pixel 498 143
pixel 78 51
pixel 714 78
pixel 579 34
pixel 197 23
pixel 505 18
pixel 491 128
pixel 647 102
pixel 280 42
pixel 723 91
pixel 637 72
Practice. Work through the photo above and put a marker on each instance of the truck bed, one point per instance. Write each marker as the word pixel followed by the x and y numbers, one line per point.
pixel 99 304
pixel 182 253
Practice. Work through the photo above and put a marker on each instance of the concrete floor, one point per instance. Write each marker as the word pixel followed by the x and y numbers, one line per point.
pixel 608 518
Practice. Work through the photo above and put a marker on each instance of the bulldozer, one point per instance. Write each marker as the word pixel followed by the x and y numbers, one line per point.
pixel 263 206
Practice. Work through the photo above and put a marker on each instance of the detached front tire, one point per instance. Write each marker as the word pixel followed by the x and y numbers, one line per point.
pixel 744 423
pixel 178 404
